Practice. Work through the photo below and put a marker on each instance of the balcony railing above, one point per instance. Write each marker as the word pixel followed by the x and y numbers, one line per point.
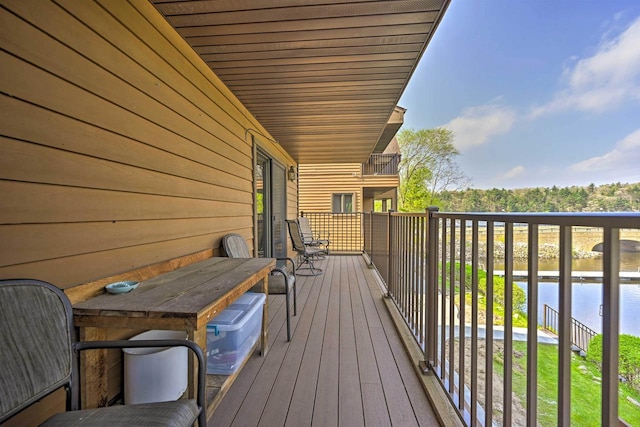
pixel 381 164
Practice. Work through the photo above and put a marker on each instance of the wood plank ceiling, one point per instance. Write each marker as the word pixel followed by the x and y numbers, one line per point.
pixel 323 77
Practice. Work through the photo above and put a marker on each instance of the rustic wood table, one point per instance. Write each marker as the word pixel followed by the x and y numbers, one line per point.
pixel 185 299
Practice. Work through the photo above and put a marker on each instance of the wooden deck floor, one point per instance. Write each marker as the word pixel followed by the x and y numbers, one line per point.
pixel 345 364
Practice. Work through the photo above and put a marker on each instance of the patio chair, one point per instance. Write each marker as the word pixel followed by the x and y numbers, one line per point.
pixel 40 355
pixel 281 281
pixel 306 253
pixel 309 238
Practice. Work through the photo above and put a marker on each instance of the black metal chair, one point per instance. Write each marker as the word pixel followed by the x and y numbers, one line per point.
pixel 39 356
pixel 281 281
pixel 306 253
pixel 311 239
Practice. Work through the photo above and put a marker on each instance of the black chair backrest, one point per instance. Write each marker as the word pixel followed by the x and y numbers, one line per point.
pixel 296 237
pixel 36 331
pixel 235 246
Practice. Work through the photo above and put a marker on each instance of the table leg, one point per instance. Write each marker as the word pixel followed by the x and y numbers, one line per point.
pixel 199 336
pixel 265 317
pixel 93 368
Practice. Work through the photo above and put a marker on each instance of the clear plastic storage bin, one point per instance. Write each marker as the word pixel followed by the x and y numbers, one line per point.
pixel 232 334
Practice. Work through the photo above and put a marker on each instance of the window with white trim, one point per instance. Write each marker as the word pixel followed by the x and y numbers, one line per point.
pixel 342 203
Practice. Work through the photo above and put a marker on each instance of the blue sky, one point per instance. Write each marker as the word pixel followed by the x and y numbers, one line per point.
pixel 538 93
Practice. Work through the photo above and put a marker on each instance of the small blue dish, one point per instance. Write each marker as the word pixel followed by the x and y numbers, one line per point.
pixel 121 287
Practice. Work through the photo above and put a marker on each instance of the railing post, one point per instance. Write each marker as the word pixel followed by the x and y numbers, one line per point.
pixel 532 326
pixel 564 332
pixel 389 256
pixel 431 344
pixel 610 325
pixel 371 238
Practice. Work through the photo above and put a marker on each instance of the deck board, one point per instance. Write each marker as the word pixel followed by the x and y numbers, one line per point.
pixel 302 402
pixel 326 402
pixel 349 386
pixel 345 364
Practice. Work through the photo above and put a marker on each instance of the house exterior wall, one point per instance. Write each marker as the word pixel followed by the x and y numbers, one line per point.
pixel 119 148
pixel 317 183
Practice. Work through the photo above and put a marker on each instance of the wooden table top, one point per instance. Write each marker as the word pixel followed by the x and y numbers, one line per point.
pixel 188 297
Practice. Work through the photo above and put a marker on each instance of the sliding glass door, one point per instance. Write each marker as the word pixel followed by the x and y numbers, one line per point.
pixel 271 204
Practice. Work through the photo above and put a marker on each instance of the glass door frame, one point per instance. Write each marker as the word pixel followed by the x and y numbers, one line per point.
pixel 261 156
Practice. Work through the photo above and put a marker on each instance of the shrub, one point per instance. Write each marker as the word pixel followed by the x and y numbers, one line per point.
pixel 629 357
pixel 519 297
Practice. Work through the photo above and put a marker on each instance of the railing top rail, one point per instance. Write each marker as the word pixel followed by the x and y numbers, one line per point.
pixel 411 214
pixel 383 155
pixel 595 219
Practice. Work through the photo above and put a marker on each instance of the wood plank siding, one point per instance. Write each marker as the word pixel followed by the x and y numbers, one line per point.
pixel 318 182
pixel 120 149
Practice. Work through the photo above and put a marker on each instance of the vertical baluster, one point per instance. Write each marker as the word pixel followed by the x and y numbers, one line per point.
pixel 508 324
pixel 610 325
pixel 421 281
pixel 452 306
pixel 443 299
pixel 532 326
pixel 474 323
pixel 564 352
pixel 405 252
pixel 461 314
pixel 412 270
pixel 409 271
pixel 488 375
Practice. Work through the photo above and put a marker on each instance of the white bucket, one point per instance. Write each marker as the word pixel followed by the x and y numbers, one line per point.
pixel 155 374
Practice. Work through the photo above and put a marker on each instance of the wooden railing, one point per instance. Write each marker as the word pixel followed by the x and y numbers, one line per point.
pixel 581 334
pixel 381 164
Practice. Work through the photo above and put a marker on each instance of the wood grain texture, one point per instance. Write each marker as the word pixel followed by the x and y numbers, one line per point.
pixel 185 299
pixel 342 323
pixel 111 126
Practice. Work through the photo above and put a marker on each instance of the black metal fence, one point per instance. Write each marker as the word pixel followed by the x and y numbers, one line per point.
pixel 343 230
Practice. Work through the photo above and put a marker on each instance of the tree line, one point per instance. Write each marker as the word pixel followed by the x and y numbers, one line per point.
pixel 430 176
pixel 616 197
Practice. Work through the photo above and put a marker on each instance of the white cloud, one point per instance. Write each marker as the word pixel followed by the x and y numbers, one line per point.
pixel 478 124
pixel 622 160
pixel 602 81
pixel 515 172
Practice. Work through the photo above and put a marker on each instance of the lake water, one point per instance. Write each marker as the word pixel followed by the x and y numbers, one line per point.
pixel 587 297
pixel 585 304
pixel 628 262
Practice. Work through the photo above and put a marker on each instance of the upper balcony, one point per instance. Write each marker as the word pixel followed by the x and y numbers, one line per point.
pixel 381 164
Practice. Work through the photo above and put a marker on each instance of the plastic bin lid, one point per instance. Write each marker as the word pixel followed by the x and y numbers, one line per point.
pixel 228 317
pixel 248 298
pixel 236 315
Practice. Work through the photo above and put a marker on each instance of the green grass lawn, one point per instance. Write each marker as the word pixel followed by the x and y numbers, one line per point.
pixel 585 388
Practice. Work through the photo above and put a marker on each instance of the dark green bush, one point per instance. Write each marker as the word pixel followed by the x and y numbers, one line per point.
pixel 519 297
pixel 629 357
